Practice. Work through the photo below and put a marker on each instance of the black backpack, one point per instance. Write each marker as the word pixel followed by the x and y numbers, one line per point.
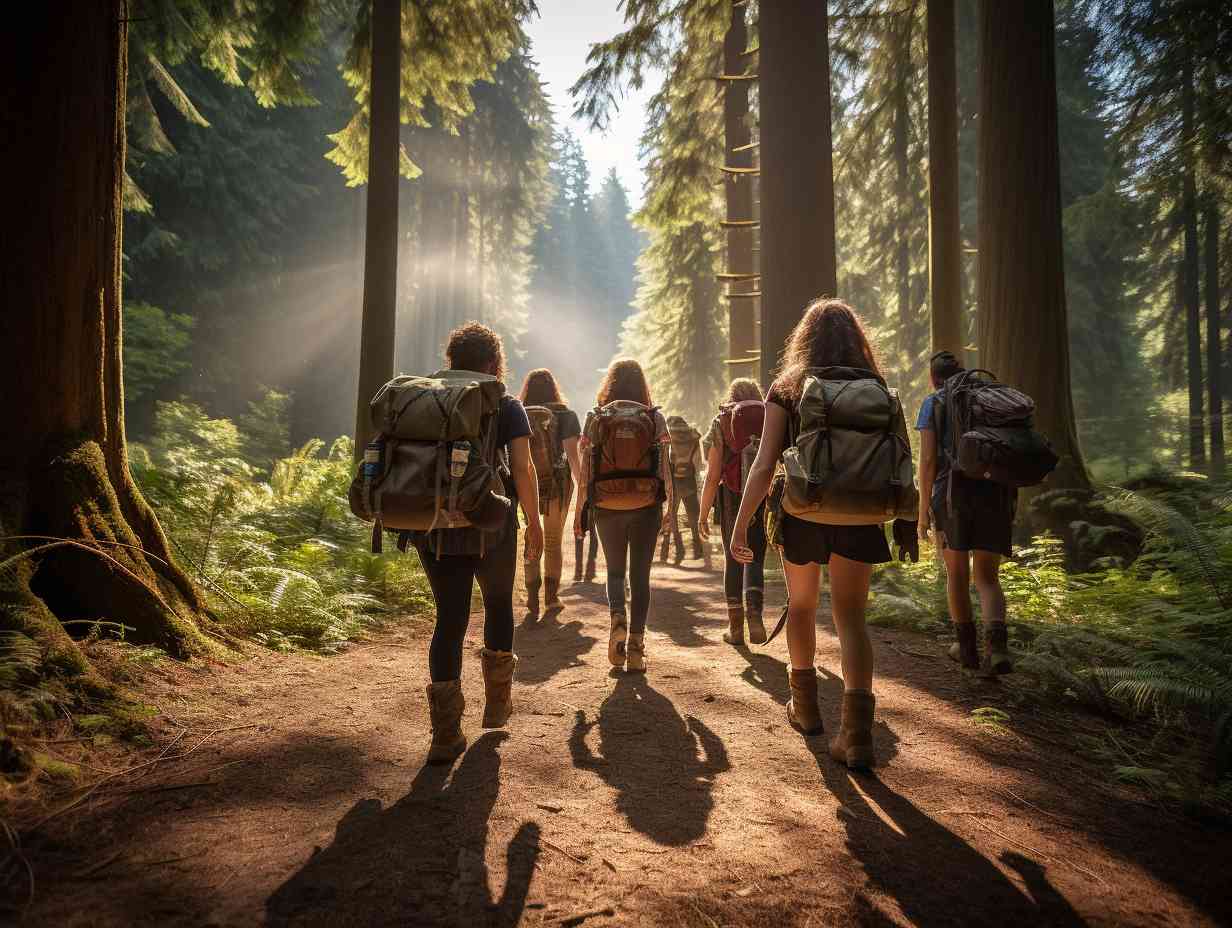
pixel 992 433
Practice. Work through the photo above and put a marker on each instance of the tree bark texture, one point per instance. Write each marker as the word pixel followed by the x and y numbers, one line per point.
pixel 63 458
pixel 1193 314
pixel 377 330
pixel 944 236
pixel 738 137
pixel 1214 348
pixel 1023 320
pixel 902 192
pixel 797 170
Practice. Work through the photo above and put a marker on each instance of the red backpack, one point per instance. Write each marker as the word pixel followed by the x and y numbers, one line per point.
pixel 741 424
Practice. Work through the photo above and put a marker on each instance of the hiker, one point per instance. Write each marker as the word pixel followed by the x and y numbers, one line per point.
pixel 685 460
pixel 626 480
pixel 553 444
pixel 973 520
pixel 455 558
pixel 847 468
pixel 731 447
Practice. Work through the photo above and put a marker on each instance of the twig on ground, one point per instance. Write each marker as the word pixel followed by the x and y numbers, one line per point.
pixel 709 921
pixel 100 866
pixel 561 850
pixel 579 917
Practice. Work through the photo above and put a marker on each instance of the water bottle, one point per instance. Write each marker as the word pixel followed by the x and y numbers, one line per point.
pixel 372 457
pixel 459 457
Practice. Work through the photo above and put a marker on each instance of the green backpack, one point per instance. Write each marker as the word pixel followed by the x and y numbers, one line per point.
pixel 850 463
pixel 434 464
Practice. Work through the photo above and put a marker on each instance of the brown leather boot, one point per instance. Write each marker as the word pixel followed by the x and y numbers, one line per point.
pixel 997 637
pixel 445 704
pixel 532 598
pixel 551 594
pixel 802 710
pixel 616 639
pixel 965 650
pixel 735 625
pixel 578 554
pixel 498 669
pixel 853 745
pixel 635 655
pixel 757 628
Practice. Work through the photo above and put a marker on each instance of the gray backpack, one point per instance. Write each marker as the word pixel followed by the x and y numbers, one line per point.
pixel 850 461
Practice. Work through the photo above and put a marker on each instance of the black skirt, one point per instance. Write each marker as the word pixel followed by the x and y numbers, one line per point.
pixel 811 543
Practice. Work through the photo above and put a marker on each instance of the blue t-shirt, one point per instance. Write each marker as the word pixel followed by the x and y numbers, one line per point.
pixel 932 418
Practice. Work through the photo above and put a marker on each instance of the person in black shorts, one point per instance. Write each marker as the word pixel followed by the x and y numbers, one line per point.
pixel 829 335
pixel 973 521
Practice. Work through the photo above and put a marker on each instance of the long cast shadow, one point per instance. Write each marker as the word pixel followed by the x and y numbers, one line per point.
pixel 661 765
pixel 546 647
pixel 421 861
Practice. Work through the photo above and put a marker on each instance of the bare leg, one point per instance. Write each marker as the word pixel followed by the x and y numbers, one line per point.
pixel 958 584
pixel 849 599
pixel 987 570
pixel 804 584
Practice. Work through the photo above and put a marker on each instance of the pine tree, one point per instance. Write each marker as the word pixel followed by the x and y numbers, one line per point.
pixel 944 235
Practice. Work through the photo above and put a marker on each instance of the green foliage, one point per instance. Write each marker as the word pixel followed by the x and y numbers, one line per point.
pixel 155 344
pixel 282 559
pixel 267 437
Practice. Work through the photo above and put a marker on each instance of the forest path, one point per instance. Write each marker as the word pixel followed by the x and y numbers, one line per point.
pixel 680 797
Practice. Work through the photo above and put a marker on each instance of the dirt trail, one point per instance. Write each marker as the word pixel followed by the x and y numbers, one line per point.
pixel 680 797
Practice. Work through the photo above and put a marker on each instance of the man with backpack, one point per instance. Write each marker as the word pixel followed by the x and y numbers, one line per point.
pixel 685 459
pixel 977 445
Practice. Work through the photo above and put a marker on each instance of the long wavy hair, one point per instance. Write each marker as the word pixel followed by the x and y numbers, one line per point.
pixel 625 380
pixel 743 388
pixel 829 335
pixel 540 387
pixel 474 347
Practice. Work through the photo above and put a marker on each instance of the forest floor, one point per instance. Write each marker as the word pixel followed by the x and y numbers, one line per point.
pixel 293 791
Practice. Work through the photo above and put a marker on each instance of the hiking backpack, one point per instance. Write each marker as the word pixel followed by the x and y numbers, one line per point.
pixel 685 442
pixel 740 426
pixel 992 434
pixel 434 464
pixel 624 472
pixel 850 461
pixel 547 450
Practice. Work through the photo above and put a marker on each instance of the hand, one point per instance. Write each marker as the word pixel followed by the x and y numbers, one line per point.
pixel 703 526
pixel 907 538
pixel 923 527
pixel 534 541
pixel 739 547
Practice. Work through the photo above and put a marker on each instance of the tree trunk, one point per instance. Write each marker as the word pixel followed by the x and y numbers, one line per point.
pixel 944 237
pixel 464 291
pixel 1193 320
pixel 1214 352
pixel 797 180
pixel 902 195
pixel 63 457
pixel 377 331
pixel 738 138
pixel 1023 325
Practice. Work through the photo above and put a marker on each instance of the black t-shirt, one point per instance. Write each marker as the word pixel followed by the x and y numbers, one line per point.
pixel 511 422
pixel 568 425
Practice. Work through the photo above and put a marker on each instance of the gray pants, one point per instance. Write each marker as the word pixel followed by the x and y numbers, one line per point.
pixel 628 538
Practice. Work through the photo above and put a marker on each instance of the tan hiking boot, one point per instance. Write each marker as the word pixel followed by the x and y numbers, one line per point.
pixel 616 640
pixel 735 625
pixel 997 637
pixel 853 745
pixel 445 704
pixel 635 657
pixel 498 667
pixel 802 710
pixel 551 594
pixel 965 651
pixel 757 628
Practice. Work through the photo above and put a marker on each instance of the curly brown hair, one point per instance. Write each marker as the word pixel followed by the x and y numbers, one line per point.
pixel 743 388
pixel 829 335
pixel 472 346
pixel 540 387
pixel 625 380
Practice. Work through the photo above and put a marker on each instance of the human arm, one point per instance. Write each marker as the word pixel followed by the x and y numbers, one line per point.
pixel 527 483
pixel 928 474
pixel 710 489
pixel 665 474
pixel 571 455
pixel 583 480
pixel 773 437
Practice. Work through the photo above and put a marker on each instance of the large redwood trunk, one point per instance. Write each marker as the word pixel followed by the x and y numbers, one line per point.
pixel 376 341
pixel 1023 320
pixel 1192 285
pixel 1214 350
pixel 797 169
pixel 944 237
pixel 738 138
pixel 63 459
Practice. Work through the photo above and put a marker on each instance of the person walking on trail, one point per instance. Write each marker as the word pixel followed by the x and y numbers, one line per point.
pixel 731 445
pixel 685 459
pixel 554 449
pixel 828 364
pixel 626 480
pixel 972 522
pixel 581 549
pixel 454 558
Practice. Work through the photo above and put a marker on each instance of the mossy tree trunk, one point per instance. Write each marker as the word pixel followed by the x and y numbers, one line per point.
pixel 1023 319
pixel 63 458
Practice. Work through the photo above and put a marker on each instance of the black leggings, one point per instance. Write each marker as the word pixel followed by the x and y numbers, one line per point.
pixel 692 510
pixel 628 537
pixel 452 578
pixel 747 580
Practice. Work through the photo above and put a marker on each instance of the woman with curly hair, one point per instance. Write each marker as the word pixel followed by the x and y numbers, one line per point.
pixel 627 535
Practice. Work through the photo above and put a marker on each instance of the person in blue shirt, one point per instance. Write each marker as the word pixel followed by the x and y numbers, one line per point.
pixel 973 522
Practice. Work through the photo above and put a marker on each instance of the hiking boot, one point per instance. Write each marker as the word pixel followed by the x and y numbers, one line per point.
pixel 590 571
pixel 853 745
pixel 498 686
pixel 532 598
pixel 636 655
pixel 735 625
pixel 616 640
pixel 551 594
pixel 697 549
pixel 445 705
pixel 802 710
pixel 578 554
pixel 965 651
pixel 997 637
pixel 757 629
pixel 663 552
